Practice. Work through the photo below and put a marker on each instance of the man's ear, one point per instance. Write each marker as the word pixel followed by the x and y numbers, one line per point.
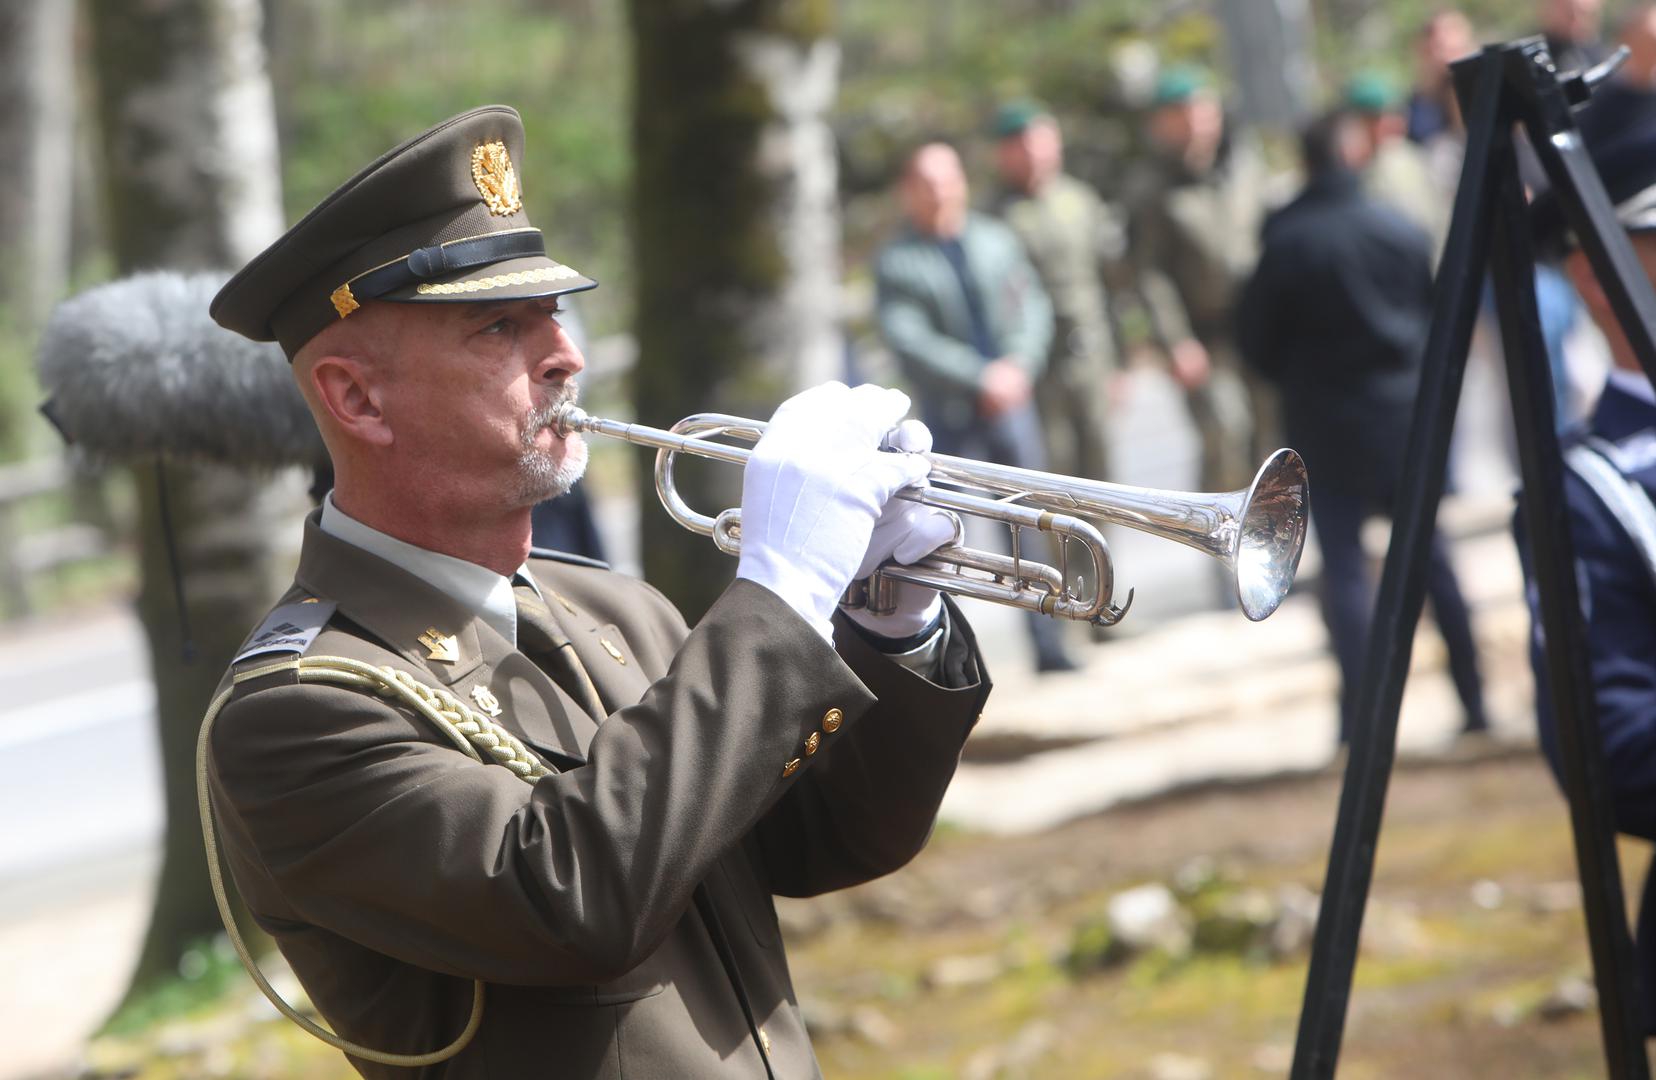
pixel 349 389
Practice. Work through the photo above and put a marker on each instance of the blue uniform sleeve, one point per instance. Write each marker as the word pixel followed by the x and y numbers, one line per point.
pixel 1619 602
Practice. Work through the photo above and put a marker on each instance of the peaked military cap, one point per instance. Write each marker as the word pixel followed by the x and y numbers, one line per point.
pixel 439 219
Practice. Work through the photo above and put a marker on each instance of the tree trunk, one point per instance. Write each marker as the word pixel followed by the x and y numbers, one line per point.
pixel 36 143
pixel 36 162
pixel 736 234
pixel 191 167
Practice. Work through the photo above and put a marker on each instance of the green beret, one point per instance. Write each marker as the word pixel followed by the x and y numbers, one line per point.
pixel 438 219
pixel 1014 117
pixel 1372 92
pixel 1178 84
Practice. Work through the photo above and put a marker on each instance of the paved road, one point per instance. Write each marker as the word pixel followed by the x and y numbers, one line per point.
pixel 76 743
pixel 79 790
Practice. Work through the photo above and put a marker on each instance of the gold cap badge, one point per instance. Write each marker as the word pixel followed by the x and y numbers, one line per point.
pixel 343 301
pixel 496 179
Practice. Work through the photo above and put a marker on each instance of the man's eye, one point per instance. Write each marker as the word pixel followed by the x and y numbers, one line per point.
pixel 499 326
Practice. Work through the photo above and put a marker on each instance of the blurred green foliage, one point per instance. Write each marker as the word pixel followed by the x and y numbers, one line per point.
pixel 18 388
pixel 351 87
pixel 348 91
pixel 208 970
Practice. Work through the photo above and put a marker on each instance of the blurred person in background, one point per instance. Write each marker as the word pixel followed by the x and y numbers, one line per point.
pixel 1070 236
pixel 1628 100
pixel 1394 170
pixel 1609 482
pixel 1336 314
pixel 1572 29
pixel 1444 37
pixel 964 312
pixel 1195 210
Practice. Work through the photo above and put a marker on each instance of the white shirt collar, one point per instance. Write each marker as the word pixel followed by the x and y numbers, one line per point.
pixel 1633 383
pixel 478 588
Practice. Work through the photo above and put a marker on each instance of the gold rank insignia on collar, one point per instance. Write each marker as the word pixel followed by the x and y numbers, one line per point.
pixel 485 700
pixel 444 647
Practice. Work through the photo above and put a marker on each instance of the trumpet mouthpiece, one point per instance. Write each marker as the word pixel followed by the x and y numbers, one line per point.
pixel 568 418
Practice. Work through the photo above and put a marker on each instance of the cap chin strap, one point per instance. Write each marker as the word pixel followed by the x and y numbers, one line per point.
pixel 423 264
pixel 473 733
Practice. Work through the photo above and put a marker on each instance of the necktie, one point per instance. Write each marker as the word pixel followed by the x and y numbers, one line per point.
pixel 542 640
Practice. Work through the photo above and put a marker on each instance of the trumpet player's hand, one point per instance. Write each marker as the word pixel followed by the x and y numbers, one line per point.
pixel 813 490
pixel 906 532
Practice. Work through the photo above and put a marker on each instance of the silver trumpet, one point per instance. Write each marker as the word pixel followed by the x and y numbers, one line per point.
pixel 1257 532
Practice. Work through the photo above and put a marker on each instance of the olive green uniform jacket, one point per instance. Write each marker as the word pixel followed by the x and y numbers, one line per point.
pixel 1074 241
pixel 1195 240
pixel 1200 230
pixel 392 869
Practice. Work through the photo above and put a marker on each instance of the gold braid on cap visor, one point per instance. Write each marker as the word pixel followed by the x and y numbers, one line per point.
pixel 419 266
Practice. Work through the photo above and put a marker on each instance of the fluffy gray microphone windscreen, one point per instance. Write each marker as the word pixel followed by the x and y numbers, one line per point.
pixel 136 369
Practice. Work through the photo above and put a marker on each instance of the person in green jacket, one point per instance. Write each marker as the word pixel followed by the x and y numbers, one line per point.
pixel 1072 238
pixel 963 311
pixel 1196 210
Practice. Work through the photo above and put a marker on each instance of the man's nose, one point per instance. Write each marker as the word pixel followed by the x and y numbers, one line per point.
pixel 560 355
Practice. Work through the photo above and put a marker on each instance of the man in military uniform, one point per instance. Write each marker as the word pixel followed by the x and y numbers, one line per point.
pixel 1196 212
pixel 965 314
pixel 447 760
pixel 1070 237
pixel 1393 168
pixel 1609 484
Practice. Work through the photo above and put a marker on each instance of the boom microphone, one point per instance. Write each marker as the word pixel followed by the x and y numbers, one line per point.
pixel 136 369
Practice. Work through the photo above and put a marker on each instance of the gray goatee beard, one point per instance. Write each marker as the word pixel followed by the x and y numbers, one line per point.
pixel 540 475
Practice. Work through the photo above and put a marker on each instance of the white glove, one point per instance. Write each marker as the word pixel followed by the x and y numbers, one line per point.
pixel 812 491
pixel 906 532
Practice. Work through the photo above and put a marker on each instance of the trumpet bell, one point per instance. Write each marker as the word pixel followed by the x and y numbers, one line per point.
pixel 1271 533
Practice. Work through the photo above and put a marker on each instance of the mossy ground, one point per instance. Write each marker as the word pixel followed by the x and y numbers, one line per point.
pixel 1448 985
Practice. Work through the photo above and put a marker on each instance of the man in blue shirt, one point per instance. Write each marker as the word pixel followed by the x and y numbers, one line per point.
pixel 1608 484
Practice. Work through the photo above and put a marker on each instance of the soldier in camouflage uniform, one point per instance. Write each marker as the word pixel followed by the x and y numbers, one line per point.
pixel 1195 216
pixel 1070 236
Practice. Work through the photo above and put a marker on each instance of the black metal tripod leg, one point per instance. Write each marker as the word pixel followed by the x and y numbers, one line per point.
pixel 1402 588
pixel 1547 528
pixel 1585 203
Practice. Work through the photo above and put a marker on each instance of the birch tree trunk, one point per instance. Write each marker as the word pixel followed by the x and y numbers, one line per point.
pixel 191 168
pixel 36 163
pixel 736 235
pixel 36 154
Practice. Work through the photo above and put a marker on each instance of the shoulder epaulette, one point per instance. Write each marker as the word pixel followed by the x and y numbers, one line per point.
pixel 566 557
pixel 289 628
